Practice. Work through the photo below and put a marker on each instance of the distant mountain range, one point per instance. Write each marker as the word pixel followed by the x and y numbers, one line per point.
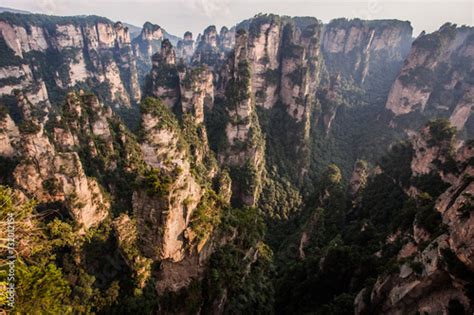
pixel 133 29
pixel 3 9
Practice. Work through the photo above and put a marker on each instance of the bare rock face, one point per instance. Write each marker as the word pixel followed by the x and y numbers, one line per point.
pixel 207 51
pixel 148 42
pixel 283 55
pixel 192 89
pixel 197 92
pixel 163 80
pixel 433 80
pixel 151 32
pixel 167 54
pixel 433 146
pixel 210 36
pixel 9 136
pixel 226 39
pixel 84 118
pixel 165 207
pixel 244 152
pixel 90 50
pixel 145 46
pixel 405 291
pixel 185 48
pixel 300 69
pixel 456 207
pixel 21 77
pixel 264 58
pixel 284 63
pixel 212 48
pixel 440 273
pixel 160 150
pixel 52 176
pixel 360 49
pixel 330 99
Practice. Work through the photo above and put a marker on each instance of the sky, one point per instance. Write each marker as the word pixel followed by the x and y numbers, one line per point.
pixel 178 16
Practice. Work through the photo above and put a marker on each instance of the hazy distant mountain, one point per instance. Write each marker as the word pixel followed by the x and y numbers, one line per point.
pixel 2 9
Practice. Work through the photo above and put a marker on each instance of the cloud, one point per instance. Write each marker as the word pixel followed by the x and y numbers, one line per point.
pixel 47 6
pixel 212 8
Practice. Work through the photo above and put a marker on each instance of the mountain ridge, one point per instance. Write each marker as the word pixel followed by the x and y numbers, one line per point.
pixel 273 167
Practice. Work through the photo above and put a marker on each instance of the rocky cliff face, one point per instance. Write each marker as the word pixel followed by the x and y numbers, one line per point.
pixel 212 47
pixel 207 50
pixel 146 45
pixel 9 136
pixel 226 39
pixel 223 152
pixel 273 60
pixel 163 80
pixel 197 92
pixel 170 215
pixel 433 79
pixel 185 48
pixel 175 195
pixel 282 57
pixel 245 146
pixel 300 69
pixel 435 270
pixel 64 53
pixel 365 51
pixel 50 169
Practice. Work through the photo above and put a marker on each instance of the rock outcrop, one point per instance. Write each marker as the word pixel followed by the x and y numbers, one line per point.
pixel 436 271
pixel 146 45
pixel 56 175
pixel 197 92
pixel 330 100
pixel 207 51
pixel 365 51
pixel 433 80
pixel 185 48
pixel 9 136
pixel 163 80
pixel 55 53
pixel 230 130
pixel 212 48
pixel 245 145
pixel 173 196
pixel 282 54
pixel 169 215
pixel 433 146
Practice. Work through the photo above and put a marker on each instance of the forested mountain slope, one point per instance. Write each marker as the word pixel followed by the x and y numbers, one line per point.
pixel 280 166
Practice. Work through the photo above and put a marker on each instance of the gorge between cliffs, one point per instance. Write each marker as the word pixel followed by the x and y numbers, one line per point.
pixel 278 166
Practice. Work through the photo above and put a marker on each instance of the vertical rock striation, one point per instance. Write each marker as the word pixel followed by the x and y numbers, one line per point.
pixel 53 172
pixel 434 78
pixel 163 80
pixel 185 48
pixel 52 54
pixel 365 51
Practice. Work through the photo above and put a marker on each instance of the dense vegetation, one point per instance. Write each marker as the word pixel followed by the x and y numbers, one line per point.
pixel 308 245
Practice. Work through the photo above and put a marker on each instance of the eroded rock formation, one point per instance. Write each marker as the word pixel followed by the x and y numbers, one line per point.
pixel 433 78
pixel 64 53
